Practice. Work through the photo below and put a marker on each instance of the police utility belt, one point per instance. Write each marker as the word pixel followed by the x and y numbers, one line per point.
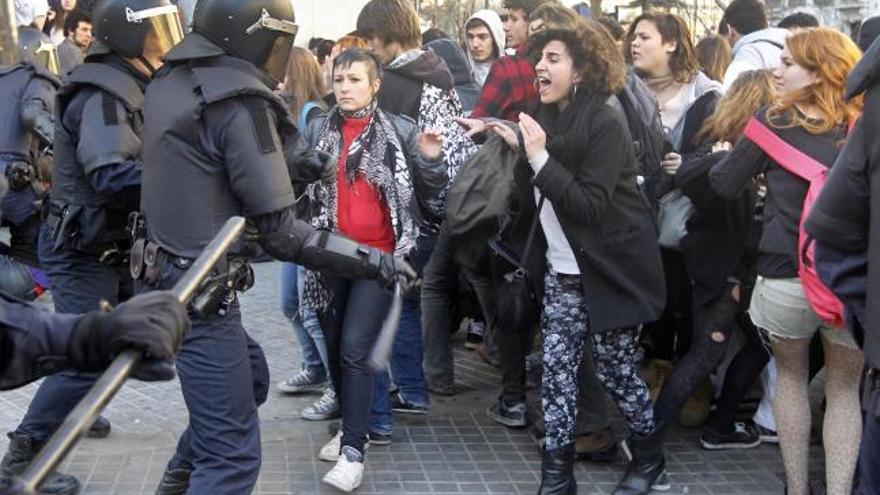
pixel 231 275
pixel 112 252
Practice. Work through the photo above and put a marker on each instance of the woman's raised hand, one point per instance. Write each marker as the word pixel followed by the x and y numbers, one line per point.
pixel 534 137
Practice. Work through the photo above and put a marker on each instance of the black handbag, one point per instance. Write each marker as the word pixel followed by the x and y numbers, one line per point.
pixel 516 305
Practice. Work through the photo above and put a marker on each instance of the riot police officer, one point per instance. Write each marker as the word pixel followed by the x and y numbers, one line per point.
pixel 26 136
pixel 83 243
pixel 218 142
pixel 35 342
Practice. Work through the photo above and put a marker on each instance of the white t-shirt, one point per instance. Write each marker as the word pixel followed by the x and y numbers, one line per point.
pixel 27 10
pixel 560 256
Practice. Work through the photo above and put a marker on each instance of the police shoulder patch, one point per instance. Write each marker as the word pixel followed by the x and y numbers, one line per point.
pixel 262 126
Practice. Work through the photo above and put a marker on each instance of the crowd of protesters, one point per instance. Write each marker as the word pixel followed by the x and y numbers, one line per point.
pixel 611 208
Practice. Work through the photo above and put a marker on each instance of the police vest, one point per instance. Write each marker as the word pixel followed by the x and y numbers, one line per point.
pixel 187 193
pixel 15 139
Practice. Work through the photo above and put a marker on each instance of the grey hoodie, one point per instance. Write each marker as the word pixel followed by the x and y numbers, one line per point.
pixel 491 19
pixel 755 51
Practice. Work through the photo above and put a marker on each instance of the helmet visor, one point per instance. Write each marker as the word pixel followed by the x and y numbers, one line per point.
pixel 165 24
pixel 47 55
pixel 276 64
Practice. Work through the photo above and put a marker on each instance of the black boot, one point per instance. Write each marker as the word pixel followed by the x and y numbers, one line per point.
pixel 175 481
pixel 557 472
pixel 100 428
pixel 647 470
pixel 19 455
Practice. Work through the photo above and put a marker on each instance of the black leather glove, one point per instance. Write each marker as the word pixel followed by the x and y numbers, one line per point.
pixel 312 166
pixel 394 269
pixel 154 323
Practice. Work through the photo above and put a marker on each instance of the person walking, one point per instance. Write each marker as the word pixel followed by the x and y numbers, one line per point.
pixel 595 261
pixel 384 166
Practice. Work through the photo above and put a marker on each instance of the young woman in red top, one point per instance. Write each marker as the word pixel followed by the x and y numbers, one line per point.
pixel 388 175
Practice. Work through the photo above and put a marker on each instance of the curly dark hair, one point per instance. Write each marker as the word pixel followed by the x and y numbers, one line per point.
pixel 683 62
pixel 593 52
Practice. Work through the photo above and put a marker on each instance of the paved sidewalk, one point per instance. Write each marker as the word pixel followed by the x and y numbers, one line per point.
pixel 454 449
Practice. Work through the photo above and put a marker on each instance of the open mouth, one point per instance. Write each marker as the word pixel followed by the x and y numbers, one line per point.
pixel 544 84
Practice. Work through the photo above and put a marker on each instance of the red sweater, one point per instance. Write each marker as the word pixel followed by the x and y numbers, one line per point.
pixel 362 212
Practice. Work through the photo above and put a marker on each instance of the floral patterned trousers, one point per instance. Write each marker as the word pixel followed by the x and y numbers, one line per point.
pixel 566 325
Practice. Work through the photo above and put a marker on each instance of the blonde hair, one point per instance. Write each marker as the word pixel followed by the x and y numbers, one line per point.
pixel 750 92
pixel 831 56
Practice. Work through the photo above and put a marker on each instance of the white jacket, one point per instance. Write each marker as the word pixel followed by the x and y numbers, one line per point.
pixel 755 51
pixel 496 27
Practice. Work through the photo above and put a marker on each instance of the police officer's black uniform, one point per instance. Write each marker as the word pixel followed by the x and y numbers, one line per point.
pixel 217 142
pixel 26 133
pixel 96 184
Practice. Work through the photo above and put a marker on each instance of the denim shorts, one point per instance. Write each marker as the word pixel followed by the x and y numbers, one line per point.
pixel 780 307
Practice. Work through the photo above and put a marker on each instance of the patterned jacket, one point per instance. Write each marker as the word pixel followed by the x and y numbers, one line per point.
pixel 509 88
pixel 418 84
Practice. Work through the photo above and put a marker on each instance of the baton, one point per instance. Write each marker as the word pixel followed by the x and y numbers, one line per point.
pixel 84 414
pixel 381 353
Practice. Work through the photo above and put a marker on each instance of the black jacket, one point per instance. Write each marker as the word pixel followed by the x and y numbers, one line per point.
pixel 785 191
pixel 846 217
pixel 718 230
pixel 402 85
pixel 590 179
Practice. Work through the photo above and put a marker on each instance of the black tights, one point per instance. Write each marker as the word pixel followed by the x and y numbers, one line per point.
pixel 714 322
pixel 741 375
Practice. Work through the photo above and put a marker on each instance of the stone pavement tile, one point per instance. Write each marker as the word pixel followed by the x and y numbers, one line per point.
pixel 455 449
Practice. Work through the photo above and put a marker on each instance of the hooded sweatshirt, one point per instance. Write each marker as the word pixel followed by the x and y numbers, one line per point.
pixel 490 18
pixel 468 90
pixel 418 84
pixel 755 51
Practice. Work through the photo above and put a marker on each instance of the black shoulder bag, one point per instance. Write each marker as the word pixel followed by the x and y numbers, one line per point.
pixel 516 306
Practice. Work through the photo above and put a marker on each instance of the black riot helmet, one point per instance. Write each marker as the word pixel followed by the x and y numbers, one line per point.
pixel 123 26
pixel 258 31
pixel 35 47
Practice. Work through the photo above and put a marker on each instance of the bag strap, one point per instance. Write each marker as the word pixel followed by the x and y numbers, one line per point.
pixel 783 153
pixel 532 231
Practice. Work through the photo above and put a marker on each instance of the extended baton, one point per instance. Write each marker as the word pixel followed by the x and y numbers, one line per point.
pixel 381 352
pixel 84 414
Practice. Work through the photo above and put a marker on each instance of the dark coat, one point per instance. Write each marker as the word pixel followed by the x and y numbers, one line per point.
pixel 785 191
pixel 846 217
pixel 718 231
pixel 590 179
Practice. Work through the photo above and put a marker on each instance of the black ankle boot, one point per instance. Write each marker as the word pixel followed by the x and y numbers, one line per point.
pixel 647 470
pixel 21 451
pixel 175 481
pixel 557 472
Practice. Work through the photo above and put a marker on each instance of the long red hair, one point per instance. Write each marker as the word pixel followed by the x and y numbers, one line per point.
pixel 831 56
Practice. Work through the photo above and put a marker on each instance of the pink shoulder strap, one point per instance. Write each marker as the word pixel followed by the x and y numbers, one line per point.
pixel 786 155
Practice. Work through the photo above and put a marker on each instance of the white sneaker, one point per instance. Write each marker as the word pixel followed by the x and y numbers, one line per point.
pixel 330 451
pixel 347 474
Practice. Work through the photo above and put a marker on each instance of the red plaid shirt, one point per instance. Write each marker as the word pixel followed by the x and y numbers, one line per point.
pixel 509 88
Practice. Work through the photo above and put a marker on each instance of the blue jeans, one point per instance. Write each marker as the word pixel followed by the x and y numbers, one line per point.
pixel 80 282
pixel 351 325
pixel 306 326
pixel 406 356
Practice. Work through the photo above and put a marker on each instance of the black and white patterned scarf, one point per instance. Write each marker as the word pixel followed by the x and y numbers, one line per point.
pixel 377 156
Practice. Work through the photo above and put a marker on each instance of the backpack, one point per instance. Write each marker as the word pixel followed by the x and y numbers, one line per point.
pixel 303 120
pixel 824 302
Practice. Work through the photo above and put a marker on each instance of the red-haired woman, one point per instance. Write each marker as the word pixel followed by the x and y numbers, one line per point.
pixel 811 115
